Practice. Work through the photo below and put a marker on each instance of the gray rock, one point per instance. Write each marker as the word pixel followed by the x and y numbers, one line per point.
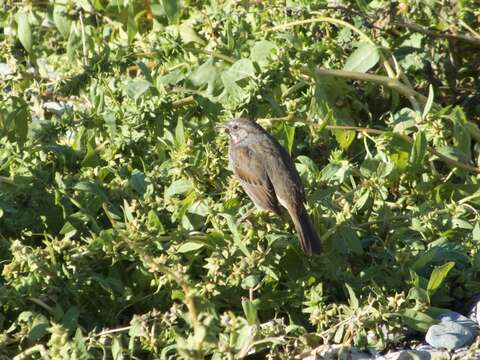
pixel 416 354
pixel 473 309
pixel 56 107
pixel 347 353
pixel 459 319
pixel 449 335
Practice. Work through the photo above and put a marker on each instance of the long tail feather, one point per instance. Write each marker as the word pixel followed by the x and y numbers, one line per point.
pixel 307 234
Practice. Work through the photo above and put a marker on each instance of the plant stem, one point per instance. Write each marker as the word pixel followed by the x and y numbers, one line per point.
pixel 379 79
pixel 385 62
pixel 215 54
pixel 444 158
pixel 437 34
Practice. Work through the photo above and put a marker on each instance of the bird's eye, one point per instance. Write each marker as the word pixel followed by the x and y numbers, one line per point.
pixel 235 127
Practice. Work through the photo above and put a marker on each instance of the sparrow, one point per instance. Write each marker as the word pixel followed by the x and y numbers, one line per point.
pixel 267 174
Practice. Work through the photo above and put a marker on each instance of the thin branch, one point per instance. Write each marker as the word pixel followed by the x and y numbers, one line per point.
pixel 437 34
pixel 385 62
pixel 444 158
pixel 183 102
pixel 323 19
pixel 42 304
pixel 379 79
pixel 215 54
pixel 27 354
pixel 110 331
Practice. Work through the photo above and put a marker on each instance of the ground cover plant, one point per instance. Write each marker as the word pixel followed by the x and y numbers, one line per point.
pixel 119 232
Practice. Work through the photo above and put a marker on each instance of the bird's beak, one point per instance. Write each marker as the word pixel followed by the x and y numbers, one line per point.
pixel 218 127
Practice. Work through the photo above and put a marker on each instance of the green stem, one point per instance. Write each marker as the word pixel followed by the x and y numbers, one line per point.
pixel 215 54
pixel 379 79
pixel 364 36
pixel 445 159
pixel 324 19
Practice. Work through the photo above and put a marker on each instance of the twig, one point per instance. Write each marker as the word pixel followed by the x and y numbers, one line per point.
pixel 183 102
pixel 354 75
pixel 110 331
pixel 444 158
pixel 148 10
pixel 84 46
pixel 437 34
pixel 32 350
pixel 42 304
pixel 215 54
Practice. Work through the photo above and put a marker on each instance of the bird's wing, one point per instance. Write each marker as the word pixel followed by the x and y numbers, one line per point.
pixel 254 179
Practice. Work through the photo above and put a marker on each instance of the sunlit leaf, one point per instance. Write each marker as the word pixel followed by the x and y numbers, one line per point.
pixel 363 59
pixel 24 30
pixel 438 275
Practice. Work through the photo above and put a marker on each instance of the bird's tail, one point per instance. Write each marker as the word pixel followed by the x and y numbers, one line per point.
pixel 306 232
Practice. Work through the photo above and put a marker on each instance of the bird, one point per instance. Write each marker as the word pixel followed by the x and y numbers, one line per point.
pixel 267 174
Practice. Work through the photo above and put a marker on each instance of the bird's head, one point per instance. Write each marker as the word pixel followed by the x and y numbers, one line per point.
pixel 239 129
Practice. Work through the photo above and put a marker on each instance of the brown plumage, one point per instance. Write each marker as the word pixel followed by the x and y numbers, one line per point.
pixel 268 176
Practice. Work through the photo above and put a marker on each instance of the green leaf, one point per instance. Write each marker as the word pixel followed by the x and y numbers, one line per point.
pixel 172 9
pixel 344 138
pixel 429 102
pixel 24 30
pixel 233 93
pixel 424 259
pixel 117 350
pixel 136 88
pixel 476 232
pixel 339 333
pixel 70 319
pixel 74 43
pixel 362 59
pixel 154 222
pixel 241 69
pixel 439 274
pixel 262 50
pixel 39 328
pixel 180 133
pixel 62 22
pixel 250 311
pixel 132 29
pixel 138 181
pixel 417 320
pixel 189 35
pixel 289 132
pixel 21 118
pixel 250 282
pixel 79 348
pixel 452 152
pixel 180 186
pixel 190 246
pixel 354 304
pixel 236 235
pixel 419 149
pixel 404 120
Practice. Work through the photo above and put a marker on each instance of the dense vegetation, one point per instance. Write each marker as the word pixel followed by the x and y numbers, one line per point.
pixel 119 231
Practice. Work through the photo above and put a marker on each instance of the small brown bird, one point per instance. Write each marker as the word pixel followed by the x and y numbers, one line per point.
pixel 268 176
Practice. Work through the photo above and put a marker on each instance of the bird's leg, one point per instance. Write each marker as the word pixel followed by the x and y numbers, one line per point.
pixel 245 216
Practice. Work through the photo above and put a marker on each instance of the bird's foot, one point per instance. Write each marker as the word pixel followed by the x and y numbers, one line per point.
pixel 245 217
